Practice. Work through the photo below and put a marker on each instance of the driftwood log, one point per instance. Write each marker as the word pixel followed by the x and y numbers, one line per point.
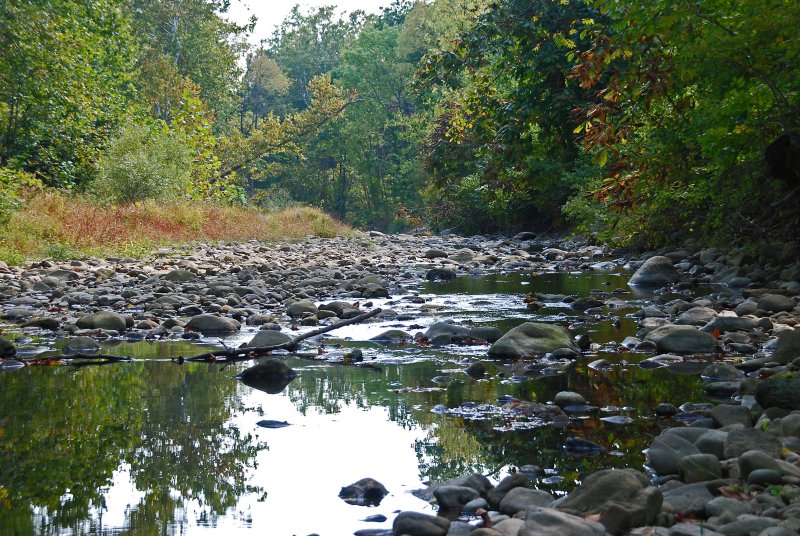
pixel 225 356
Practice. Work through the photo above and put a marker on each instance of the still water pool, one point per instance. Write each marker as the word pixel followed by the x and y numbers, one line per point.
pixel 156 447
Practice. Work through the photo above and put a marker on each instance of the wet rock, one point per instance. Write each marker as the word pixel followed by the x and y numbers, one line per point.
pixel 568 398
pixel 696 316
pixel 666 452
pixel 6 348
pixel 656 271
pixel 722 372
pixel 365 492
pixel 532 338
pixel 9 364
pixel 725 323
pixel 725 415
pixel 269 337
pixel 440 274
pixel 496 495
pixel 486 333
pixel 179 276
pixel 301 308
pixel 775 303
pixel 416 524
pixel 787 347
pixel 476 370
pixel 740 441
pixel 688 500
pixel 682 340
pixel 103 320
pixel 699 468
pixel 764 477
pixel 448 329
pixel 521 498
pixel 779 392
pixel 549 522
pixel 612 492
pixel 43 323
pixel 745 525
pixel 435 253
pixel 82 345
pixel 451 500
pixel 393 336
pixel 212 325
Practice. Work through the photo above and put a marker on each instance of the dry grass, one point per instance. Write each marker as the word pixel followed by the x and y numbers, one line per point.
pixel 56 225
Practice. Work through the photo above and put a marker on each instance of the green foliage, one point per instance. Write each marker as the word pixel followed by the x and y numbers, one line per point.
pixel 504 117
pixel 65 83
pixel 143 163
pixel 13 184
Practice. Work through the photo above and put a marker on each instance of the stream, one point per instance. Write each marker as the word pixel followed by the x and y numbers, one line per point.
pixel 156 447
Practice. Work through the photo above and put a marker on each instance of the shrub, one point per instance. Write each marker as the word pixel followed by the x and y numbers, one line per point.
pixel 143 163
pixel 13 184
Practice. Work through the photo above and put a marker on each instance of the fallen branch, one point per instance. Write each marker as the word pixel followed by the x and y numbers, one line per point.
pixel 252 352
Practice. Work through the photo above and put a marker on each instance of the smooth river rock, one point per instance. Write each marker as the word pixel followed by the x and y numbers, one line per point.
pixel 532 338
pixel 656 271
pixel 682 340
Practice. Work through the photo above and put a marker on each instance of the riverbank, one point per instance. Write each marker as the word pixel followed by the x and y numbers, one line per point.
pixel 62 226
pixel 717 314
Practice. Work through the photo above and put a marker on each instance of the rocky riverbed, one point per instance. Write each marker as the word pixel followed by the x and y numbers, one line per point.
pixel 730 468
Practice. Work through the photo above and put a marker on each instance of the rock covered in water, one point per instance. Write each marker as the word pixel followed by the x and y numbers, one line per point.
pixel 532 338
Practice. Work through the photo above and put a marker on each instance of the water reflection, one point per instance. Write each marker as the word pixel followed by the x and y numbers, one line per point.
pixel 152 446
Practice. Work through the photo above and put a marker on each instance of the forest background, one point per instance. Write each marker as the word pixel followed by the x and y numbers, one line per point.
pixel 642 122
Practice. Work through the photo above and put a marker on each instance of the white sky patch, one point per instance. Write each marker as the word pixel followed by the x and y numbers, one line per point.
pixel 270 13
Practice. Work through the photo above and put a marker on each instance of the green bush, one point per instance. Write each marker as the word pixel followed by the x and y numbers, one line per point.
pixel 143 163
pixel 12 185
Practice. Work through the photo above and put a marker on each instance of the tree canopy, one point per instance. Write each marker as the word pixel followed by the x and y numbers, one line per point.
pixel 639 121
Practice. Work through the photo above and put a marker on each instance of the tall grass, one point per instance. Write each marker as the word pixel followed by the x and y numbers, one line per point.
pixel 57 225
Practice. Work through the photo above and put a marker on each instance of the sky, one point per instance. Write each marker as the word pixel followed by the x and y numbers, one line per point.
pixel 270 13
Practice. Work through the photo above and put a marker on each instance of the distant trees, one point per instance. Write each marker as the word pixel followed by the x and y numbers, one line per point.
pixel 484 116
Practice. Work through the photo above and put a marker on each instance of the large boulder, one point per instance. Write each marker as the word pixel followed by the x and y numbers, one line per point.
pixel 622 498
pixel 451 499
pixel 656 271
pixel 103 320
pixel 269 337
pixel 788 347
pixel 416 524
pixel 532 338
pixel 549 522
pixel 779 392
pixel 775 303
pixel 682 339
pixel 212 325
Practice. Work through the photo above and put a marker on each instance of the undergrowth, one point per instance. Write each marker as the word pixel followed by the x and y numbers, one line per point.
pixel 61 226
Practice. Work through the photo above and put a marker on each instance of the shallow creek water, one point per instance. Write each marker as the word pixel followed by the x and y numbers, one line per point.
pixel 156 447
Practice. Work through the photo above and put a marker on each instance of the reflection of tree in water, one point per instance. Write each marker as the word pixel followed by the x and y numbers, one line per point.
pixel 64 432
pixel 454 446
